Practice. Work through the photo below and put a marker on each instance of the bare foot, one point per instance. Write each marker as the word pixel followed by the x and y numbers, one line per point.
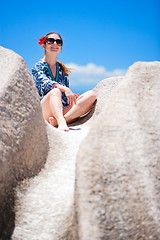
pixel 52 121
pixel 62 125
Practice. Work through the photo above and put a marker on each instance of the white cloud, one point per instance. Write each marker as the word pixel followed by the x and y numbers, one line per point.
pixel 90 74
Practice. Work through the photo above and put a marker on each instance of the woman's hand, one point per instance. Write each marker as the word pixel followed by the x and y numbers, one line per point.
pixel 71 98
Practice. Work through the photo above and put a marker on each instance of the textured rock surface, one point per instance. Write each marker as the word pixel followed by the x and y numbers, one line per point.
pixel 45 203
pixel 117 173
pixel 118 164
pixel 23 137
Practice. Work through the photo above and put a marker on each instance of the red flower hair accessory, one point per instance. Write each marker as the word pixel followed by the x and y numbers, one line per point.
pixel 42 40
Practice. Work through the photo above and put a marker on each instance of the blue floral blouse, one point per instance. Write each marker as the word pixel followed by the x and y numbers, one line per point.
pixel 45 81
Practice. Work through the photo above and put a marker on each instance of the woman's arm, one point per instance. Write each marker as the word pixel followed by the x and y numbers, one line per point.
pixel 43 83
pixel 71 98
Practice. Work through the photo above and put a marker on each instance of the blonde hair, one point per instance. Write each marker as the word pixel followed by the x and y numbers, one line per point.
pixel 64 69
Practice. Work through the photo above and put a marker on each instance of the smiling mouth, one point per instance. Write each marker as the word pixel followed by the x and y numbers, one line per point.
pixel 54 48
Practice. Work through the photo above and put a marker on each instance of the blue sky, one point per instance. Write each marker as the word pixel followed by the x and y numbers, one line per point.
pixel 101 38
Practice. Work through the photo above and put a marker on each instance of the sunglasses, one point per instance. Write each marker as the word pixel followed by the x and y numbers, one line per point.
pixel 52 40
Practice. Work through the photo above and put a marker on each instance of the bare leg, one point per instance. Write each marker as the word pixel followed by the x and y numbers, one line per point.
pixel 53 112
pixel 52 106
pixel 82 106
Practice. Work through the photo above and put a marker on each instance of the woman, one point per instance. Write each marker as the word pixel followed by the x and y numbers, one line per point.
pixel 59 104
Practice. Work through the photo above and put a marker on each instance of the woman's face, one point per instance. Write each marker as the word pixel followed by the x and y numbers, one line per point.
pixel 50 47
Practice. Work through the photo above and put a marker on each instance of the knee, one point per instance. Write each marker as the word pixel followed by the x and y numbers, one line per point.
pixel 92 95
pixel 55 92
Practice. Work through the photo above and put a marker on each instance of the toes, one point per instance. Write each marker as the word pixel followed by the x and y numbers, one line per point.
pixel 51 121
